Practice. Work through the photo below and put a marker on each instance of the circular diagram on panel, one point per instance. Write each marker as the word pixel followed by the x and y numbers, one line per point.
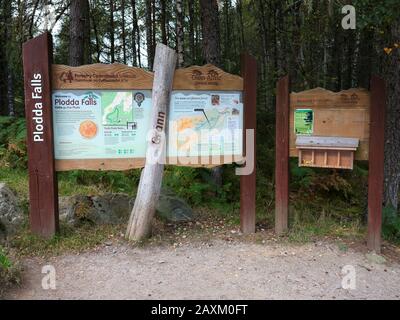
pixel 88 129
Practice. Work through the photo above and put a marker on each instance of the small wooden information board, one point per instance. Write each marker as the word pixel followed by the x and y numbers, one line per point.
pixel 330 130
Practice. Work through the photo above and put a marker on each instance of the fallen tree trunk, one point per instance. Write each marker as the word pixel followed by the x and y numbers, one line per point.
pixel 139 226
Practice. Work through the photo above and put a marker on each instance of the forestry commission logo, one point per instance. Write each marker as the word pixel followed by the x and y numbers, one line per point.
pixel 67 76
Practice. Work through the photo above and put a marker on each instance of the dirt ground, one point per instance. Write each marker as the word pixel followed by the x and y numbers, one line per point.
pixel 212 270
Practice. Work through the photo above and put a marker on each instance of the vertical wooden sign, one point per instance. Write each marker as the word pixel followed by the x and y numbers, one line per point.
pixel 248 182
pixel 376 163
pixel 282 156
pixel 43 195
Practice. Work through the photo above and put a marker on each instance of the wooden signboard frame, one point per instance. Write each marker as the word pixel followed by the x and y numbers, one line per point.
pixel 373 151
pixel 42 165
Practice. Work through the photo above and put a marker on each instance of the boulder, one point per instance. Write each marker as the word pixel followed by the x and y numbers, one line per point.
pixel 100 209
pixel 115 208
pixel 11 214
pixel 173 208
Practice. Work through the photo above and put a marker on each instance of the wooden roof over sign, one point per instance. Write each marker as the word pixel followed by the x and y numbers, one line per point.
pixel 119 76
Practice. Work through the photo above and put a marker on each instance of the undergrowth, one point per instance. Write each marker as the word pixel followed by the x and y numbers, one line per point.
pixel 321 200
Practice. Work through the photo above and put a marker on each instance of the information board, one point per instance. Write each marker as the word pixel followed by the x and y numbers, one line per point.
pixel 303 121
pixel 205 124
pixel 107 124
pixel 101 116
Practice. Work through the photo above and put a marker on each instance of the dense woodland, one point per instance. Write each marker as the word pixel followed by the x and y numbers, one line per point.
pixel 304 38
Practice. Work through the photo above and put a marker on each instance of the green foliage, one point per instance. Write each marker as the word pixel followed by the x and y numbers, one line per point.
pixel 13 152
pixel 5 263
pixel 391 224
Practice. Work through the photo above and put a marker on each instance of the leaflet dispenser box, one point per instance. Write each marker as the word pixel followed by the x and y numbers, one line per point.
pixel 326 152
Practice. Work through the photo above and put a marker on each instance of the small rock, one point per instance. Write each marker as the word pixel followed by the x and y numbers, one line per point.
pixel 108 243
pixel 375 258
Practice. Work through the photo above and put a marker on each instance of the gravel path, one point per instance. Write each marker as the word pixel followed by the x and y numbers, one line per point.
pixel 215 270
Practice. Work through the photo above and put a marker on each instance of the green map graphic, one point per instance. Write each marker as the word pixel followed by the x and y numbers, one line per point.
pixel 116 108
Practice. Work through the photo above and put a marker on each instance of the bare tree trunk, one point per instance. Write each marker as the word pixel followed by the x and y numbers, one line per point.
pixel 392 132
pixel 10 93
pixel 139 226
pixel 163 22
pixel 227 44
pixel 79 33
pixel 135 36
pixel 154 27
pixel 191 32
pixel 112 30
pixel 212 52
pixel 97 40
pixel 210 30
pixel 179 33
pixel 241 25
pixel 123 31
pixel 149 35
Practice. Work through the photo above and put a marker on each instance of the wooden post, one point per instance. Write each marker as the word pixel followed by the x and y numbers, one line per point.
pixel 248 182
pixel 282 156
pixel 43 194
pixel 376 163
pixel 148 193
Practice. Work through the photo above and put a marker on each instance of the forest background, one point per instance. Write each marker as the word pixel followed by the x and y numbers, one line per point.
pixel 303 38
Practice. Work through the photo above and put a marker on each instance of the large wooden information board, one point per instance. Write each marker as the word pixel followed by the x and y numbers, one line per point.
pixel 95 117
pixel 101 116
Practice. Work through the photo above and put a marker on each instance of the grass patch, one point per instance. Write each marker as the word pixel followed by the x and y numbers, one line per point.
pixel 69 239
pixel 9 272
pixel 305 232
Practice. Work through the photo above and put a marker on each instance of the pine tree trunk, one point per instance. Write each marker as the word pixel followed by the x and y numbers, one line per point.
pixel 79 33
pixel 392 132
pixel 241 25
pixel 123 35
pixel 135 36
pixel 10 93
pixel 191 32
pixel 112 31
pixel 163 22
pixel 210 30
pixel 149 36
pixel 212 52
pixel 179 33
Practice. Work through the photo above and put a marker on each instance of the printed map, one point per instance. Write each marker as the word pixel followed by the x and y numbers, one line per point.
pixel 117 108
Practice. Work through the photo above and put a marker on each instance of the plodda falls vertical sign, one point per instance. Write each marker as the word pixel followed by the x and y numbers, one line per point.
pixel 37 55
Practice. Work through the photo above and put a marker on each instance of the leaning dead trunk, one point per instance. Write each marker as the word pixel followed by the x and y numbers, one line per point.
pixel 139 226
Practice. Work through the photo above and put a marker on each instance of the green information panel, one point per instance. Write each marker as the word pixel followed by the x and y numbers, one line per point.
pixel 303 121
pixel 113 124
pixel 107 124
pixel 205 123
